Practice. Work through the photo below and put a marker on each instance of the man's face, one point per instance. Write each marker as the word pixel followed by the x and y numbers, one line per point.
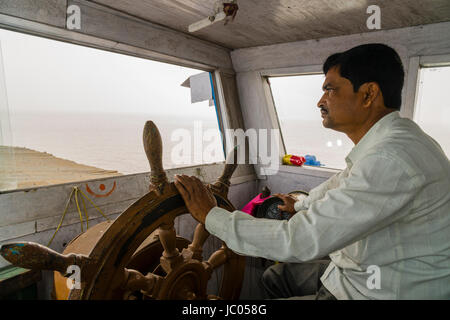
pixel 340 106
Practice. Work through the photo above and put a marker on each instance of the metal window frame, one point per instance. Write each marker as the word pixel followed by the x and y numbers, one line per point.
pixel 61 35
pixel 274 120
pixel 413 78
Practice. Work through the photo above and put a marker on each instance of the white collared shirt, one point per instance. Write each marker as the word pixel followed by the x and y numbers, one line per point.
pixel 384 221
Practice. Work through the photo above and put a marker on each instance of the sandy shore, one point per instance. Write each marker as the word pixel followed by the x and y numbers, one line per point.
pixel 25 168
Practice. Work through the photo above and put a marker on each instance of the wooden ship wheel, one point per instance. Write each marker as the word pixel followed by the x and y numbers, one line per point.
pixel 139 255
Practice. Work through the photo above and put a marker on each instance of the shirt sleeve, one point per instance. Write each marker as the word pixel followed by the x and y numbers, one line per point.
pixel 318 192
pixel 374 194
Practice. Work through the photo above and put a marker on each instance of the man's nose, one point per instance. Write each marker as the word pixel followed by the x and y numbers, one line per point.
pixel 321 102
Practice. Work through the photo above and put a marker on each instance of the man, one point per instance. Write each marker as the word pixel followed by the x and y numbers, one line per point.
pixel 384 221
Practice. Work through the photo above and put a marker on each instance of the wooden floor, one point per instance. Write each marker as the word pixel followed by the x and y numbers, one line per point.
pixel 25 168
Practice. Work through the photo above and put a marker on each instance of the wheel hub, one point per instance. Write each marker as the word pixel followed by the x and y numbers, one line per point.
pixel 187 281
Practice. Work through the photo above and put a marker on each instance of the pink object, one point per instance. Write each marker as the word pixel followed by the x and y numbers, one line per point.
pixel 256 201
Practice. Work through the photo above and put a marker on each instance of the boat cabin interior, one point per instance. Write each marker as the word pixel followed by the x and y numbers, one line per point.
pixel 243 47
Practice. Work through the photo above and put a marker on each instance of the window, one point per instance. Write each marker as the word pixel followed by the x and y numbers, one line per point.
pixel 295 99
pixel 89 106
pixel 432 110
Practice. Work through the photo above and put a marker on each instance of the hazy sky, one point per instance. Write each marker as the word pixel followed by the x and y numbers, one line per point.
pixel 48 75
pixel 297 97
pixel 433 105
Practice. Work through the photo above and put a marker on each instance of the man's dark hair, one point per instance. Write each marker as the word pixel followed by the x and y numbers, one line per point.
pixel 373 62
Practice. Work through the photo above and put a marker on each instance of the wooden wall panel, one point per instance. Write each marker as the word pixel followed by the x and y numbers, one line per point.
pixel 423 40
pixel 264 22
pixel 52 12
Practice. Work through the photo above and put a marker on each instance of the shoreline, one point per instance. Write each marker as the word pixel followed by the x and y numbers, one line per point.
pixel 24 168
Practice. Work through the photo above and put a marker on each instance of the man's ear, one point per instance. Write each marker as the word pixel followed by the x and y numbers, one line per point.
pixel 371 90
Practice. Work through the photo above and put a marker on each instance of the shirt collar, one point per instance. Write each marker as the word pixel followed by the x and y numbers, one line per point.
pixel 371 137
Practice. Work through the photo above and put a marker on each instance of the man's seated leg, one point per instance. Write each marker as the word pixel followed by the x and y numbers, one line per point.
pixel 286 280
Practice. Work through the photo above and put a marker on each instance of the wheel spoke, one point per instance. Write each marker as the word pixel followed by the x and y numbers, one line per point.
pixel 170 256
pixel 217 259
pixel 153 150
pixel 31 255
pixel 200 237
pixel 222 184
pixel 136 281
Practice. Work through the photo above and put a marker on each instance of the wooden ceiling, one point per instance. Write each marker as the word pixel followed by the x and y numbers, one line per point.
pixel 264 22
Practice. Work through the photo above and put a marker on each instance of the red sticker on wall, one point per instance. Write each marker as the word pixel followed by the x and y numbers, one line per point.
pixel 102 193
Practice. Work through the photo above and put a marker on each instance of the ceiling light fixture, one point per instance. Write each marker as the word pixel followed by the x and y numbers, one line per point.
pixel 224 10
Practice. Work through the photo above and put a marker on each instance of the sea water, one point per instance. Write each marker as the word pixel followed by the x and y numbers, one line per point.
pixel 113 141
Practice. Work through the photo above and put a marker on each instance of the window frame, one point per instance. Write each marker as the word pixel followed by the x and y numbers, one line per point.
pixel 275 122
pixel 412 81
pixel 222 114
pixel 410 93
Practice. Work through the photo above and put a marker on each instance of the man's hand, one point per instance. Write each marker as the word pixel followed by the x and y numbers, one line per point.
pixel 288 201
pixel 199 200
